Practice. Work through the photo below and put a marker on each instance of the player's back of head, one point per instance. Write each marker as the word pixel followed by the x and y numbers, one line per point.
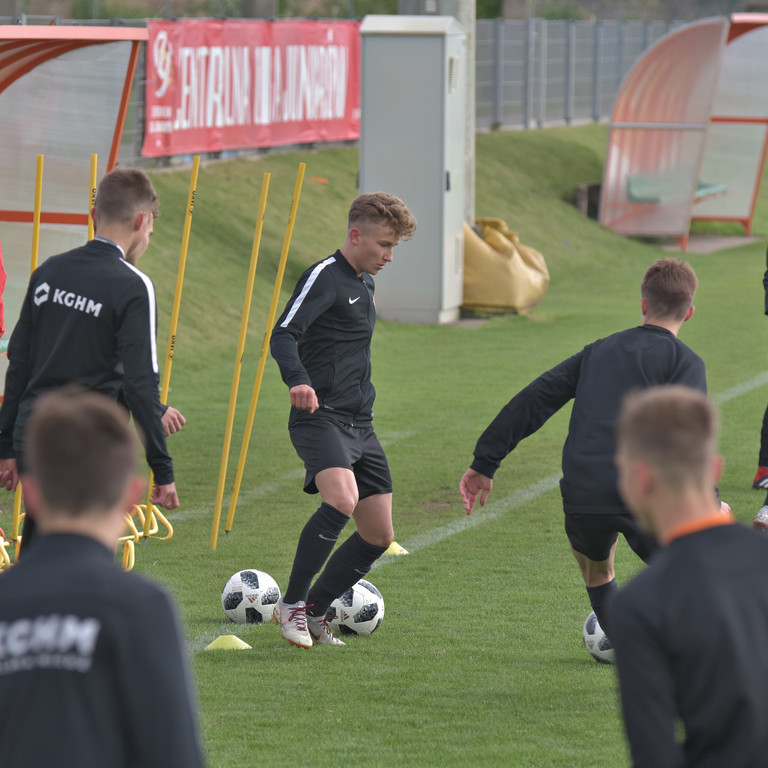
pixel 122 193
pixel 668 287
pixel 673 429
pixel 81 451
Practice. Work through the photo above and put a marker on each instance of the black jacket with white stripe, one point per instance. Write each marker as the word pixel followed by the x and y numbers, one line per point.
pixel 88 317
pixel 323 338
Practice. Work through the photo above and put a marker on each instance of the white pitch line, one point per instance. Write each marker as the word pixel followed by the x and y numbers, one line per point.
pixel 517 498
pixel 491 512
pixel 480 515
pixel 742 389
pixel 247 495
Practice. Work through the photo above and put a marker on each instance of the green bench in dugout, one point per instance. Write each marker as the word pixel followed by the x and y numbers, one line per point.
pixel 658 188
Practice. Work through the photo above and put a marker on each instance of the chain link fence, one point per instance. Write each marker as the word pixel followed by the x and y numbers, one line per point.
pixel 529 73
pixel 128 9
pixel 535 73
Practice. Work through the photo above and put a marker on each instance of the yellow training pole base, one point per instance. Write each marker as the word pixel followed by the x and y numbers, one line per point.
pixel 227 643
pixel 129 555
pixel 9 548
pixel 150 527
pixel 396 549
pixel 5 558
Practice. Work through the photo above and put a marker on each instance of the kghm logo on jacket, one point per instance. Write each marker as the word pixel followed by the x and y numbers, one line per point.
pixel 48 642
pixel 41 293
pixel 67 299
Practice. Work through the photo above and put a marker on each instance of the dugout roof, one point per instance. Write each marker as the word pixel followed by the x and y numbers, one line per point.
pixel 689 130
pixel 64 95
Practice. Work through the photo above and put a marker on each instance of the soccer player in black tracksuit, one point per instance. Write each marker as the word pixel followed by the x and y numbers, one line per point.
pixel 690 631
pixel 322 344
pixel 89 316
pixel 93 670
pixel 760 481
pixel 596 379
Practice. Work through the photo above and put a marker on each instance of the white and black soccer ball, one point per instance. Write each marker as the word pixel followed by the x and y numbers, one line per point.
pixel 596 641
pixel 249 597
pixel 358 611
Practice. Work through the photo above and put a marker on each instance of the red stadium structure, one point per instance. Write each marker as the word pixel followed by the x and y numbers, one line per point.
pixel 689 131
pixel 24 50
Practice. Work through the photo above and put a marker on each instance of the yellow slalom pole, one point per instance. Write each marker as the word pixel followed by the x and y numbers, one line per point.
pixel 129 555
pixel 239 360
pixel 265 346
pixel 175 317
pixel 36 215
pixel 32 267
pixel 92 195
pixel 16 523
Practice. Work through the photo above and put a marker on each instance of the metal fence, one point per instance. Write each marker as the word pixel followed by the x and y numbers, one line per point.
pixel 529 74
pixel 537 72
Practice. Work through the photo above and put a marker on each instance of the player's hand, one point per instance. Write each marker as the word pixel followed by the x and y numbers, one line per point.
pixel 172 421
pixel 165 496
pixel 9 474
pixel 725 508
pixel 304 398
pixel 473 484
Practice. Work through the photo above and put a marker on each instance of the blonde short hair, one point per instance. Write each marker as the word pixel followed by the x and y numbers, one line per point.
pixel 81 450
pixel 382 208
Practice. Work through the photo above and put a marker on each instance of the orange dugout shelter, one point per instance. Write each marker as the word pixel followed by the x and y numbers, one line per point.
pixel 64 94
pixel 689 131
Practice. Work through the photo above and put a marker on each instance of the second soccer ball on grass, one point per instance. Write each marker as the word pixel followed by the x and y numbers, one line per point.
pixel 596 641
pixel 249 597
pixel 358 611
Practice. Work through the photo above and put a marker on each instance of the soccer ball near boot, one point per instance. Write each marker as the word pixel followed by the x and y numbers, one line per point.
pixel 249 597
pixel 358 611
pixel 596 642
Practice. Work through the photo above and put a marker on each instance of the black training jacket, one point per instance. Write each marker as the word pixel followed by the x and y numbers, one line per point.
pixel 88 317
pixel 93 666
pixel 323 338
pixel 690 633
pixel 596 379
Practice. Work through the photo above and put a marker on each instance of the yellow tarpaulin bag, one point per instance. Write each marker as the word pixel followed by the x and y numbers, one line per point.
pixel 501 274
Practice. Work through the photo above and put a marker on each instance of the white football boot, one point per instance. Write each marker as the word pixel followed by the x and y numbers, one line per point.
pixel 321 632
pixel 761 520
pixel 292 620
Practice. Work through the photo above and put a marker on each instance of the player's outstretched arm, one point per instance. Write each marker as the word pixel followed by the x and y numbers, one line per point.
pixel 473 484
pixel 165 496
pixel 173 421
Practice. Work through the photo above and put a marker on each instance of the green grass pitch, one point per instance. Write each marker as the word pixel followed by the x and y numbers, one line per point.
pixel 479 661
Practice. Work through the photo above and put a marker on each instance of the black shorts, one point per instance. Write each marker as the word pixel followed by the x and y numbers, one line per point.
pixel 324 442
pixel 593 534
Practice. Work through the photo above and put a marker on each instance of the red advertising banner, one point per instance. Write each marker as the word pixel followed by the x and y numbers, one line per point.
pixel 216 85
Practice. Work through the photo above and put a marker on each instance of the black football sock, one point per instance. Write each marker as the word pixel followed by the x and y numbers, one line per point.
pixel 316 542
pixel 349 563
pixel 600 599
pixel 763 456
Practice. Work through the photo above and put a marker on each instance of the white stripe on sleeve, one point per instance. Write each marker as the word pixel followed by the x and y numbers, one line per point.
pixel 152 312
pixel 305 290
